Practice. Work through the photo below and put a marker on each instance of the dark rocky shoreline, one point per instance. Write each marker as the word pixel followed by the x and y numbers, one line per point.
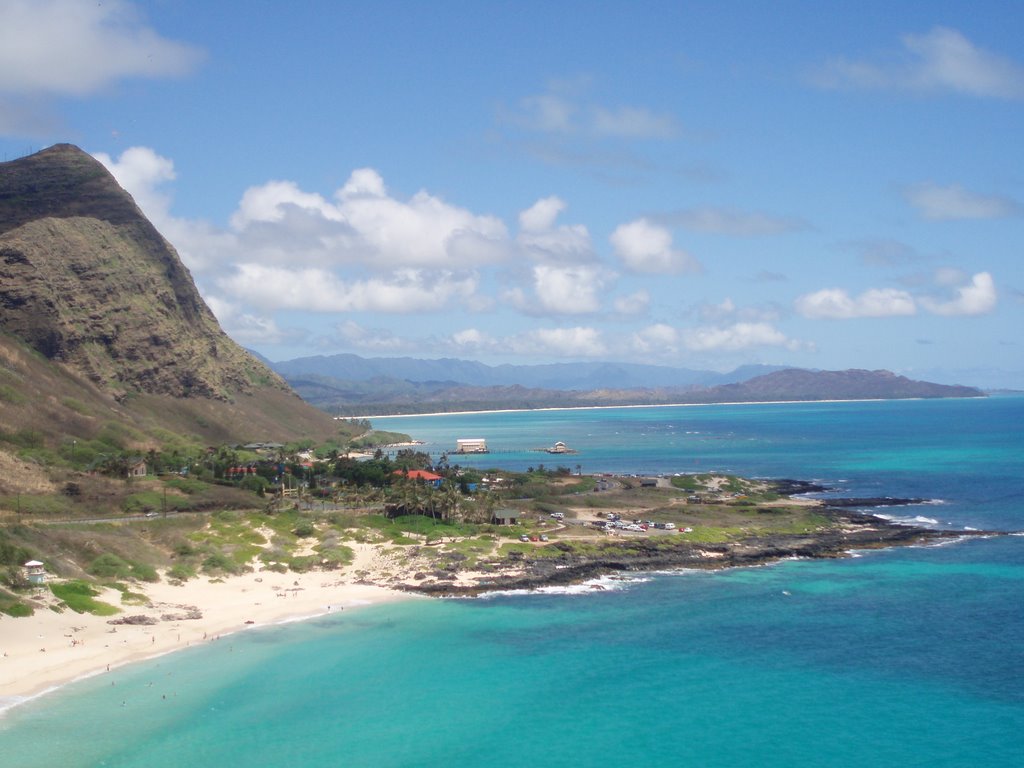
pixel 853 530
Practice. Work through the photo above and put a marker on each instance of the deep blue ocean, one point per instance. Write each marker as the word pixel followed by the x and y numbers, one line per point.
pixel 903 657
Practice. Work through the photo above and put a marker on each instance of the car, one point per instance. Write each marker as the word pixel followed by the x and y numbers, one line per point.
pixel 524 537
pixel 543 537
pixel 534 538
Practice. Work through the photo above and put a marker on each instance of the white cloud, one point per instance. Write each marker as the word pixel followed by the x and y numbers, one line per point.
pixel 646 247
pixel 735 337
pixel 940 60
pixel 248 329
pixel 721 221
pixel 546 113
pixel 934 201
pixel 635 303
pixel 58 48
pixel 372 339
pixel 565 110
pixel 543 241
pixel 633 123
pixel 540 216
pixel 569 290
pixel 141 171
pixel 559 342
pixel 835 303
pixel 978 297
pixel 364 224
pixel 270 202
pixel 319 290
pixel 472 338
pixel 717 312
pixel 658 339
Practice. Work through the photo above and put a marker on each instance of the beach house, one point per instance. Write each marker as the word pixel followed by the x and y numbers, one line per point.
pixel 505 517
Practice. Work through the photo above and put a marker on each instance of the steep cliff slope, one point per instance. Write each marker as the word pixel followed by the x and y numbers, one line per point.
pixel 87 281
pixel 102 328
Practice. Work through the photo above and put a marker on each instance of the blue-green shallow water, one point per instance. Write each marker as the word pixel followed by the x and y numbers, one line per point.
pixel 902 657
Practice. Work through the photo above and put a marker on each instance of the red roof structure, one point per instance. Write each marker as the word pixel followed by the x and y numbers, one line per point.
pixel 420 474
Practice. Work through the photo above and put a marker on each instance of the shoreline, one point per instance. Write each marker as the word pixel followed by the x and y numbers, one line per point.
pixel 858 531
pixel 649 405
pixel 44 652
pixel 48 650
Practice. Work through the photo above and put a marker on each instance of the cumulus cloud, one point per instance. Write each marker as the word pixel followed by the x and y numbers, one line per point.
pixel 646 247
pixel 635 303
pixel 366 224
pixel 569 290
pixel 978 297
pixel 939 60
pixel 735 337
pixel 934 201
pixel 319 290
pixel 836 303
pixel 540 216
pixel 542 240
pixel 247 328
pixel 580 341
pixel 658 339
pixel 67 47
pixel 56 48
pixel 472 338
pixel 371 339
pixel 721 221
pixel 142 172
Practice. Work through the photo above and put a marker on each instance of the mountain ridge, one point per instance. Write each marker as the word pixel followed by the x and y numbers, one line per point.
pixel 383 395
pixel 99 314
pixel 562 376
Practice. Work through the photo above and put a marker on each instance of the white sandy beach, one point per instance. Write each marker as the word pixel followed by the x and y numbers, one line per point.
pixel 49 649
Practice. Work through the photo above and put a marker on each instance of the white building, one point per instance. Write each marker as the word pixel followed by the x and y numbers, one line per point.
pixel 471 445
pixel 35 572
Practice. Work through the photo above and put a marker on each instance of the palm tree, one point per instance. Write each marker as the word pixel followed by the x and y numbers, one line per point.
pixel 451 498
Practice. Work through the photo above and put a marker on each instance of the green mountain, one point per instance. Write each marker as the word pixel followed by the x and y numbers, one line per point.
pixel 102 330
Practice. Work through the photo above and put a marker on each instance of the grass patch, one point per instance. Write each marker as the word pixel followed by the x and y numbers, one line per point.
pixel 181 572
pixel 16 609
pixel 110 566
pixel 80 597
pixel 186 485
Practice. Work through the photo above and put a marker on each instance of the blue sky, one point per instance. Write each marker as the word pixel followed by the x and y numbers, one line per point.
pixel 826 185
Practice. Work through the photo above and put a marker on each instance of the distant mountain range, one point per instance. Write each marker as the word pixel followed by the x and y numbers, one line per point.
pixel 561 376
pixel 354 386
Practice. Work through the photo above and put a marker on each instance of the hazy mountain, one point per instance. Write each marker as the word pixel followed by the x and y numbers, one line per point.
pixel 560 376
pixel 388 395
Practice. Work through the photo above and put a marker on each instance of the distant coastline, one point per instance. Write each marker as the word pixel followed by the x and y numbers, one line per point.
pixel 650 405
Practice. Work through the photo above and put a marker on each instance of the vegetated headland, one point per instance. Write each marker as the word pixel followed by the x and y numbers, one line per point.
pixel 344 532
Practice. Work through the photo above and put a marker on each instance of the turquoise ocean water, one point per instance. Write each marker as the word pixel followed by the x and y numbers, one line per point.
pixel 909 657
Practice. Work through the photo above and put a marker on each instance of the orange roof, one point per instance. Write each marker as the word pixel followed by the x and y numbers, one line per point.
pixel 419 474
